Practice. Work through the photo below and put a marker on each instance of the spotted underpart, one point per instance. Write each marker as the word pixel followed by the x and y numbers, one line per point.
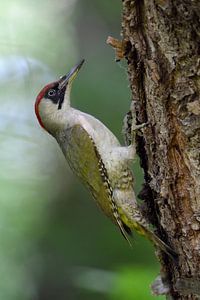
pixel 56 95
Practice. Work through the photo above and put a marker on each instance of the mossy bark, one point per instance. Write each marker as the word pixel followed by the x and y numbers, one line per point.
pixel 162 50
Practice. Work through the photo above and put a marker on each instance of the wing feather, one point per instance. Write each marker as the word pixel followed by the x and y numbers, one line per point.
pixel 86 162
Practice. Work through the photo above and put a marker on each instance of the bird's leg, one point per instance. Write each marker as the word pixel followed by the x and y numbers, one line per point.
pixel 130 128
pixel 123 153
pixel 130 151
pixel 134 129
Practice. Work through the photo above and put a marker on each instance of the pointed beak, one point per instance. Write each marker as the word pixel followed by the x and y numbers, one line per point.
pixel 68 78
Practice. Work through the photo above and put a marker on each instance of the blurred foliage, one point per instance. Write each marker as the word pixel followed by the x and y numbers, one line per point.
pixel 55 244
pixel 127 288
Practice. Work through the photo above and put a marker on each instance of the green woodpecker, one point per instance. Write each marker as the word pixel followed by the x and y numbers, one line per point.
pixel 96 157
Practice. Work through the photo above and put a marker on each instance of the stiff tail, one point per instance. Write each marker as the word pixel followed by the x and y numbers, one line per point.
pixel 126 225
pixel 163 246
pixel 142 230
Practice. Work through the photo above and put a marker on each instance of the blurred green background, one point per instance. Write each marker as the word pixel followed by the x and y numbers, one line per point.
pixel 54 241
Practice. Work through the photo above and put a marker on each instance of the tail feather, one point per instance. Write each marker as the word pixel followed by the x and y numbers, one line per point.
pixel 143 230
pixel 163 246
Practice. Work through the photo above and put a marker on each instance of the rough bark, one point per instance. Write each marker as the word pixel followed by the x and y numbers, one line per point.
pixel 162 50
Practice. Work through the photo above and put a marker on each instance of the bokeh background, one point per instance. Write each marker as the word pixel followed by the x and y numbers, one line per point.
pixel 54 241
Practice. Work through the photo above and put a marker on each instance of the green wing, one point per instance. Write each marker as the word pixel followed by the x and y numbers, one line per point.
pixel 86 162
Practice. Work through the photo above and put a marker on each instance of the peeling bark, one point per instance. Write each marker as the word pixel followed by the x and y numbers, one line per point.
pixel 163 54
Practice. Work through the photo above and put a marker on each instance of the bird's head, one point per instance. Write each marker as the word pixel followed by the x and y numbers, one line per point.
pixel 54 100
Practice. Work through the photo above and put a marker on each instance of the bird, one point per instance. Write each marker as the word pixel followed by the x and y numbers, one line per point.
pixel 96 156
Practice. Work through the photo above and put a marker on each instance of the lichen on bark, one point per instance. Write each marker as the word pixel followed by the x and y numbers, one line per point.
pixel 163 56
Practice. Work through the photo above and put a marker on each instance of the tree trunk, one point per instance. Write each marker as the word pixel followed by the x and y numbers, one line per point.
pixel 162 50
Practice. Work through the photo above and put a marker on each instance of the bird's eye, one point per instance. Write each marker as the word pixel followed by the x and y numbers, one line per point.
pixel 51 92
